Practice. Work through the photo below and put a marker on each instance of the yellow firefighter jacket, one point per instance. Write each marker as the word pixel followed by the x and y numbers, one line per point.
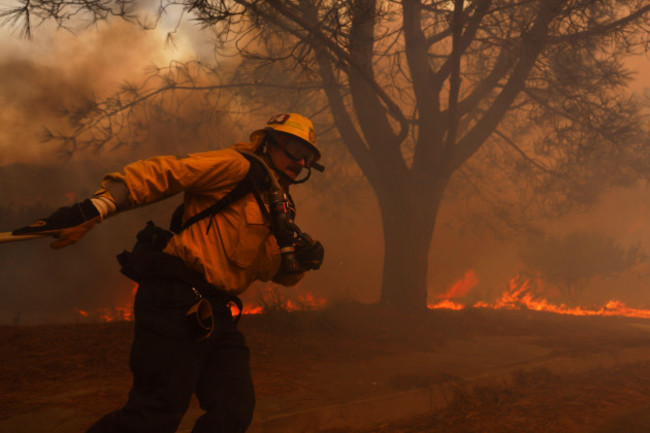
pixel 232 248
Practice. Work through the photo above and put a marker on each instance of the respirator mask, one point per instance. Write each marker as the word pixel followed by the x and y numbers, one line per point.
pixel 281 208
pixel 286 231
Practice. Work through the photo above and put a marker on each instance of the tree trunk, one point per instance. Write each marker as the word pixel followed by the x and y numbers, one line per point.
pixel 408 223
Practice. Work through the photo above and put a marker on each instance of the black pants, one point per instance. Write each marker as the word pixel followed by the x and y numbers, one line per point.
pixel 168 365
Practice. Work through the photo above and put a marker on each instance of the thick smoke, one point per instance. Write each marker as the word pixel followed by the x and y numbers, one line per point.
pixel 59 70
pixel 41 79
pixel 47 76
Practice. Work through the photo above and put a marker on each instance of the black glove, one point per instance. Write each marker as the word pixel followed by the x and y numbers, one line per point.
pixel 68 224
pixel 309 253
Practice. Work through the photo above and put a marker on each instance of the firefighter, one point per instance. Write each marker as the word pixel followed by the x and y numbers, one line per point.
pixel 186 339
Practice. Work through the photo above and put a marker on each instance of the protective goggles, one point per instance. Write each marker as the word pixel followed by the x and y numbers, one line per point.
pixel 297 151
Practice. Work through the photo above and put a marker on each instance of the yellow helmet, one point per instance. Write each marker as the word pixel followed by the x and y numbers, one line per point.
pixel 296 125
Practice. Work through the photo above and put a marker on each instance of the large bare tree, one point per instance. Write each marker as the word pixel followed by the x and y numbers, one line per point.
pixel 419 89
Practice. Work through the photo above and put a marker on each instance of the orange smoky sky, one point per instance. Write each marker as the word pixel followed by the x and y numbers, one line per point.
pixel 58 69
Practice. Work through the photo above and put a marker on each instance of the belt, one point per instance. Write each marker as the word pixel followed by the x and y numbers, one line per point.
pixel 156 264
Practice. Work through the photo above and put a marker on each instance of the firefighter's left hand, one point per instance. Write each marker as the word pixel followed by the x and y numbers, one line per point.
pixel 68 224
pixel 309 253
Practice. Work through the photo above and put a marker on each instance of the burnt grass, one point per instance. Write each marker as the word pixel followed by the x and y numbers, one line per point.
pixel 39 361
pixel 611 400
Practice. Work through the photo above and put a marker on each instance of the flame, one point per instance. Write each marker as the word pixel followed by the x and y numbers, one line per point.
pixel 461 287
pixel 111 314
pixel 306 301
pixel 108 314
pixel 270 298
pixel 519 296
pixel 446 305
pixel 252 310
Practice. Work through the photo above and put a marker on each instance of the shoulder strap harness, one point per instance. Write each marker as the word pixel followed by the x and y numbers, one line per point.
pixel 255 180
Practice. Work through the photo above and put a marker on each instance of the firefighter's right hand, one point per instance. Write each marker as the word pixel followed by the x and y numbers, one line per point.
pixel 309 253
pixel 68 224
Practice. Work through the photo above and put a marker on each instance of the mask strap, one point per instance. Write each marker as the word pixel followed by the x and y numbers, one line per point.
pixel 301 180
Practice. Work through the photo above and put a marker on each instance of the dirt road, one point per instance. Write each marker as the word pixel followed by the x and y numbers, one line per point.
pixel 60 378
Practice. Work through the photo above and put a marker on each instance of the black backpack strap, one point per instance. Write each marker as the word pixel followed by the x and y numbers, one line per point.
pixel 256 179
pixel 260 203
pixel 176 223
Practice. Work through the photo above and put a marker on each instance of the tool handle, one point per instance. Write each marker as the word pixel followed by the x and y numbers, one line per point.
pixel 8 237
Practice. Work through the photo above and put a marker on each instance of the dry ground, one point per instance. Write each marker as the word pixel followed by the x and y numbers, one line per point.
pixel 40 361
pixel 615 400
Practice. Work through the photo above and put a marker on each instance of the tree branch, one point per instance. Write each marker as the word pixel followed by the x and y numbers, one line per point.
pixel 339 54
pixel 454 69
pixel 473 24
pixel 342 119
pixel 372 117
pixel 431 128
pixel 522 153
pixel 602 29
pixel 532 45
pixel 503 64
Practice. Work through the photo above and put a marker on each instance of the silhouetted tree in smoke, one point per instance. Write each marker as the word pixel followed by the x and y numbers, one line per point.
pixel 420 90
pixel 570 262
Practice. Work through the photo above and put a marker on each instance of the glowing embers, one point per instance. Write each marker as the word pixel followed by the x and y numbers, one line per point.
pixel 268 299
pixel 110 314
pixel 519 295
pixel 446 304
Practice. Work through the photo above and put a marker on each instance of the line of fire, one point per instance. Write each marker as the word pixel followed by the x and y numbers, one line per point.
pixel 520 295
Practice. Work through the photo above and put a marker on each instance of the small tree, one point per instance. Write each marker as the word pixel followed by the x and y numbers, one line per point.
pixel 570 262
